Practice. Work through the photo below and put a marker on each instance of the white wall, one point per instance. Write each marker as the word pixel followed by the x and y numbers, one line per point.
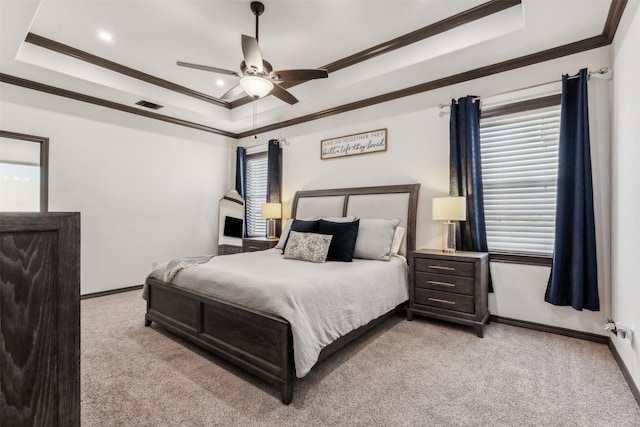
pixel 418 151
pixel 148 193
pixel 625 285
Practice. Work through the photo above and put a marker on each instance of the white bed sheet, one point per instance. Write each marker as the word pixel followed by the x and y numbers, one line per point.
pixel 322 302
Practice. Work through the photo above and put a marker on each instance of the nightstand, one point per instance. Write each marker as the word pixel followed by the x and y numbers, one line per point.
pixel 252 244
pixel 449 286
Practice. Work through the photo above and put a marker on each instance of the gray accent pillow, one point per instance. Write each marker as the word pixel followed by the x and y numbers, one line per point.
pixel 307 246
pixel 375 237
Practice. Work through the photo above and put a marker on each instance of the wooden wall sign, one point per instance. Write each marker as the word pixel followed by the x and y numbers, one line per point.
pixel 351 145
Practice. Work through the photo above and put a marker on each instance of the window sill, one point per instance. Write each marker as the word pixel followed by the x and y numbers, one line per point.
pixel 521 259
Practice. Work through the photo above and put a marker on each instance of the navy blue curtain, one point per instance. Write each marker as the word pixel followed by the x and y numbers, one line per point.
pixel 241 171
pixel 241 180
pixel 573 279
pixel 465 174
pixel 274 176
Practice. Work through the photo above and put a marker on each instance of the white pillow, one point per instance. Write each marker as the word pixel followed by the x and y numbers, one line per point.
pixel 375 237
pixel 397 240
pixel 311 247
pixel 284 234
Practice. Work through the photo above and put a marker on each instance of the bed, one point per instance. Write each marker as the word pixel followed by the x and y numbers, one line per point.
pixel 235 327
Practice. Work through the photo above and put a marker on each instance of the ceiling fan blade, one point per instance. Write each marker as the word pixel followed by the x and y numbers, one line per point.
pixel 299 75
pixel 251 52
pixel 283 94
pixel 232 93
pixel 207 68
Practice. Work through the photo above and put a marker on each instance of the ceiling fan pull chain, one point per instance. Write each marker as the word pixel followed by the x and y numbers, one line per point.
pixel 255 118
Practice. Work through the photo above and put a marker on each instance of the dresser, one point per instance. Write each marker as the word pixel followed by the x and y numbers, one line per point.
pixel 449 286
pixel 40 319
pixel 253 244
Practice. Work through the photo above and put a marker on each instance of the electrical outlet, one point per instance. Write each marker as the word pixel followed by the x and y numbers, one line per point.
pixel 624 331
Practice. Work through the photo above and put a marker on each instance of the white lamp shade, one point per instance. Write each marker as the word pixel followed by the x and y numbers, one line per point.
pixel 255 86
pixel 271 210
pixel 450 208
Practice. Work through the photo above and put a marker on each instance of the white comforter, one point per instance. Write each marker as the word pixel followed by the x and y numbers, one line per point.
pixel 321 301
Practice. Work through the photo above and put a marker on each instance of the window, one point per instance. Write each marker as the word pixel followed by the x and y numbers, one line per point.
pixel 23 172
pixel 256 194
pixel 519 150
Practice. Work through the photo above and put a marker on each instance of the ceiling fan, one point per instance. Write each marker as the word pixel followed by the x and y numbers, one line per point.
pixel 257 78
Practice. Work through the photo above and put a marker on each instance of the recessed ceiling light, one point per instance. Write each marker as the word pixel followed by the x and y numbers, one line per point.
pixel 105 36
pixel 220 82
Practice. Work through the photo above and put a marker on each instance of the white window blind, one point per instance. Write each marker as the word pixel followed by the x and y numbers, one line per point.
pixel 256 194
pixel 519 171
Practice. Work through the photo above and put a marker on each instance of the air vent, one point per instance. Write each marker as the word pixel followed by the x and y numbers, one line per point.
pixel 148 104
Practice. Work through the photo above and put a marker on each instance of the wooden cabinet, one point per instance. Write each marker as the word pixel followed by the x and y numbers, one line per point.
pixel 252 244
pixel 40 319
pixel 449 286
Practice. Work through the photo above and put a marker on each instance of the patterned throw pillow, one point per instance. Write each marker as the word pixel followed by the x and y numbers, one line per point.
pixel 303 226
pixel 307 246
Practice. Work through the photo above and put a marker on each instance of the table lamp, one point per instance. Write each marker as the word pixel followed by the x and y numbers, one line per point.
pixel 271 211
pixel 449 209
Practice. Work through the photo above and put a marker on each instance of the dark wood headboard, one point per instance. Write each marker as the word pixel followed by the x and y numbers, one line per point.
pixel 384 202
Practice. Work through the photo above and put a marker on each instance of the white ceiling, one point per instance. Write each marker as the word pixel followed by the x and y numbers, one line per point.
pixel 151 35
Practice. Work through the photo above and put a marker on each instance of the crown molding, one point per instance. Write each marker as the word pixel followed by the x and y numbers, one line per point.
pixel 119 68
pixel 30 84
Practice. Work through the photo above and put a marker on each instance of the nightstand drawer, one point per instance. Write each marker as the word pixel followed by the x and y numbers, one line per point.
pixel 253 244
pixel 445 283
pixel 456 268
pixel 445 300
pixel 229 249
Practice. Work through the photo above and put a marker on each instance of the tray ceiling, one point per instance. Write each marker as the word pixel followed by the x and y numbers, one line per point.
pixel 148 37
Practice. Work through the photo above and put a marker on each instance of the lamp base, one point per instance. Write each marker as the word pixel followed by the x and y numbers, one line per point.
pixel 271 229
pixel 449 237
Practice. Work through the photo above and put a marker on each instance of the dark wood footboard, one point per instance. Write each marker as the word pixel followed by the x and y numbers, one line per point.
pixel 257 342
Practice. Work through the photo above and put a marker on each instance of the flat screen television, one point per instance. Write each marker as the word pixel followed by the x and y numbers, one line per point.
pixel 232 227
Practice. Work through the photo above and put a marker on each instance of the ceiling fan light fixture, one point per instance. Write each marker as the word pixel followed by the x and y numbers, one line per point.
pixel 257 78
pixel 255 86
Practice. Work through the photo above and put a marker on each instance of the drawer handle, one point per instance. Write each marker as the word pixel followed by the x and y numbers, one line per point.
pixel 444 301
pixel 434 282
pixel 440 267
pixel 254 247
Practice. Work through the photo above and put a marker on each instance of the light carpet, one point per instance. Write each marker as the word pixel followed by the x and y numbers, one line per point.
pixel 420 373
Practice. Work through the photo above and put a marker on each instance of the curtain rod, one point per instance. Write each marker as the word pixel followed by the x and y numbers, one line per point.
pixel 283 142
pixel 603 70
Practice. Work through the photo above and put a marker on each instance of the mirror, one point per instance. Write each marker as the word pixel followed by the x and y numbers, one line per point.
pixel 230 223
pixel 24 161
